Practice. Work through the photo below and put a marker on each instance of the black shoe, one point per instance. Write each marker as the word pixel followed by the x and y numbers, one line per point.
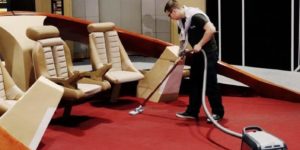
pixel 215 117
pixel 186 115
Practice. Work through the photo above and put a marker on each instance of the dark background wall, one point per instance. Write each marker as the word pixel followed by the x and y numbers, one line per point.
pixel 297 25
pixel 267 32
pixel 22 5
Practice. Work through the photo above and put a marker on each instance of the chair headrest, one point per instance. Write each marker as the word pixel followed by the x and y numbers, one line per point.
pixel 101 27
pixel 42 32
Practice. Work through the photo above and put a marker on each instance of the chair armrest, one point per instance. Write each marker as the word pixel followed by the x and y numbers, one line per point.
pixel 97 74
pixel 70 82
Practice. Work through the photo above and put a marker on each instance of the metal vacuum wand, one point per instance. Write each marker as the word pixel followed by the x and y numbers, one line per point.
pixel 140 108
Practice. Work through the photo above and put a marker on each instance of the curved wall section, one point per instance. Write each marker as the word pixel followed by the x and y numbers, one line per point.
pixel 16 47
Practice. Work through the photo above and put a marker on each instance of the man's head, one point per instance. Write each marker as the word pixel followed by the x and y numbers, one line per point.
pixel 174 10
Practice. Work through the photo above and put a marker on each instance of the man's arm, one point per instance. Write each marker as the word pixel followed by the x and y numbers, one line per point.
pixel 210 30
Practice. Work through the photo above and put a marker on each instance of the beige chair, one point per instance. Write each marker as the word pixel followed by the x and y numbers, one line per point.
pixel 23 125
pixel 52 59
pixel 106 47
pixel 10 93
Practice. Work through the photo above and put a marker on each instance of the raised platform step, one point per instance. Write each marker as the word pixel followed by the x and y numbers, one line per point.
pixel 283 79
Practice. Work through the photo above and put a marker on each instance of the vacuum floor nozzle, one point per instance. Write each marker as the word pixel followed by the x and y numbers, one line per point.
pixel 137 110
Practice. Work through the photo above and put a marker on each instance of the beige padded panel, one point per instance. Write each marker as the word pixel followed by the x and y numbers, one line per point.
pixel 60 61
pixel 101 27
pixel 55 57
pixel 42 32
pixel 89 89
pixel 51 42
pixel 2 90
pixel 113 42
pixel 119 77
pixel 49 61
pixel 99 40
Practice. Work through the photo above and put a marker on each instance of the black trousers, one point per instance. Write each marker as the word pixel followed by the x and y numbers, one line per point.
pixel 196 83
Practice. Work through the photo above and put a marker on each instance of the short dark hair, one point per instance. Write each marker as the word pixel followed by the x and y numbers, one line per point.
pixel 171 4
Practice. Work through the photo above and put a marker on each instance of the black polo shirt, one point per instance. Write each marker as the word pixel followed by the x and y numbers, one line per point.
pixel 196 32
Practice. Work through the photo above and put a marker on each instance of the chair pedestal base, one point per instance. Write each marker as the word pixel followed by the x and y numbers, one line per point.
pixel 115 93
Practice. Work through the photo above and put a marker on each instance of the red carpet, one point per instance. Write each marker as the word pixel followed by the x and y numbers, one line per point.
pixel 109 127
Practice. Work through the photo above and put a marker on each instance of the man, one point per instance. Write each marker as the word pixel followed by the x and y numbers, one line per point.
pixel 196 29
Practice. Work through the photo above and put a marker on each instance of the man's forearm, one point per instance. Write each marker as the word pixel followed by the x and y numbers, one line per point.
pixel 208 34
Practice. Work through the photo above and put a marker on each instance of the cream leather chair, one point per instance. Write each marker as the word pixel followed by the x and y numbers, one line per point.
pixel 106 47
pixel 10 93
pixel 52 59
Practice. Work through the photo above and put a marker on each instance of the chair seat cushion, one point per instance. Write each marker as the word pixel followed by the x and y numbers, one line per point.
pixel 89 89
pixel 118 77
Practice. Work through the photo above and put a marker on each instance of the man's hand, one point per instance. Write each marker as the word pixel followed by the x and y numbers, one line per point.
pixel 189 51
pixel 197 48
pixel 185 52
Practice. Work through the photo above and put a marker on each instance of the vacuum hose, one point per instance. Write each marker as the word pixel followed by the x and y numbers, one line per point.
pixel 225 130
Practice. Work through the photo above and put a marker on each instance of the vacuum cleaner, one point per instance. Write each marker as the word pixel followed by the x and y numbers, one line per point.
pixel 253 137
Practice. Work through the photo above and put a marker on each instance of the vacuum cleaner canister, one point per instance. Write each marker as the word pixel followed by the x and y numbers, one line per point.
pixel 254 138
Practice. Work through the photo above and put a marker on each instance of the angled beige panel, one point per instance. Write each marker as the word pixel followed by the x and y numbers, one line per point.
pixel 170 53
pixel 169 88
pixel 30 116
pixel 16 47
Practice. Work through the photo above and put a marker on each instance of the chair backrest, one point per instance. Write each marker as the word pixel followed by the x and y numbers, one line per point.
pixel 51 56
pixel 9 91
pixel 114 49
pixel 97 48
pixel 115 52
pixel 2 90
pixel 8 88
pixel 99 40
